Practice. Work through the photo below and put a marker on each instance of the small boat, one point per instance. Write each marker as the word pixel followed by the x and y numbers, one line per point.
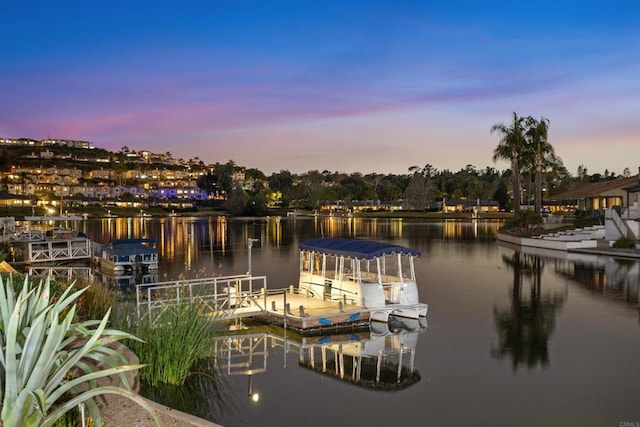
pixel 379 277
pixel 128 255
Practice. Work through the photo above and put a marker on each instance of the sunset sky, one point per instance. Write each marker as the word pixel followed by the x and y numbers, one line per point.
pixel 367 86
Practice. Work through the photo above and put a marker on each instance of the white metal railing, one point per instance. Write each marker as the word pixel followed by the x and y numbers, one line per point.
pixel 58 250
pixel 222 297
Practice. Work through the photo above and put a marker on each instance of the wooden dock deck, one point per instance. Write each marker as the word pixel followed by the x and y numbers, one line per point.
pixel 247 296
pixel 310 315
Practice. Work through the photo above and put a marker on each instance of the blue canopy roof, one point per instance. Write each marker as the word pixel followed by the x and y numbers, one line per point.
pixel 354 248
pixel 130 241
pixel 128 247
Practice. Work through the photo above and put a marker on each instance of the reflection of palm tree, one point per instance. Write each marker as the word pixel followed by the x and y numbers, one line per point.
pixel 525 327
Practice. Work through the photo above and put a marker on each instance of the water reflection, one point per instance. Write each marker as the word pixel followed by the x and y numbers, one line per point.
pixel 615 278
pixel 126 281
pixel 382 359
pixel 525 327
pixel 66 273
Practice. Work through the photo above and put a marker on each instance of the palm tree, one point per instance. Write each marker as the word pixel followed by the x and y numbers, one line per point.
pixel 511 147
pixel 540 151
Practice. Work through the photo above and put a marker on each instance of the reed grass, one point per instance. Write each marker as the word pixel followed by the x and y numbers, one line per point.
pixel 174 341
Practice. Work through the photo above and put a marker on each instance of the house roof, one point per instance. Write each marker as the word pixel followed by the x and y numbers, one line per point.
pixel 595 189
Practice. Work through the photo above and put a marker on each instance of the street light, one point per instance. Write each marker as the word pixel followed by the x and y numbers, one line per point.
pixel 250 244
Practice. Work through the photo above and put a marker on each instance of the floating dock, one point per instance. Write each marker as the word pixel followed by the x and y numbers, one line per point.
pixel 245 296
pixel 310 315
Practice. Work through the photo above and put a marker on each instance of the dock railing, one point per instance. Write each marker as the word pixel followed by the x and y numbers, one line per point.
pixel 222 297
pixel 58 250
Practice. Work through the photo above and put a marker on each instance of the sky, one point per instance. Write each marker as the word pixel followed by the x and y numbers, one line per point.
pixel 344 86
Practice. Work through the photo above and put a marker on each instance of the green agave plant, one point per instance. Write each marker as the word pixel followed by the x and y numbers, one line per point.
pixel 50 364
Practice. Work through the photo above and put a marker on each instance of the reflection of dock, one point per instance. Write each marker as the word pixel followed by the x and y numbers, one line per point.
pixel 381 359
pixel 604 271
pixel 127 280
pixel 247 296
pixel 67 274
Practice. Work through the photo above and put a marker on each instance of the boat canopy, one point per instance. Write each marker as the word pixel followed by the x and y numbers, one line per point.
pixel 128 247
pixel 132 241
pixel 355 248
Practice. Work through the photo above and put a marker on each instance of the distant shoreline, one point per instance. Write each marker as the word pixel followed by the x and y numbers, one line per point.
pixel 93 212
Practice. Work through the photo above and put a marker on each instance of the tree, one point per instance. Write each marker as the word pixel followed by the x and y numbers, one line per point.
pixel 510 148
pixel 282 182
pixel 236 201
pixel 583 174
pixel 208 183
pixel 417 193
pixel 224 175
pixel 540 151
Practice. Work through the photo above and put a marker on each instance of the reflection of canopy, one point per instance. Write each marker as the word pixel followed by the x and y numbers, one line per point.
pixel 354 248
pixel 388 375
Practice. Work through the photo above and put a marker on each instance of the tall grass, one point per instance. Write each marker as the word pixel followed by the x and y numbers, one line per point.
pixel 174 341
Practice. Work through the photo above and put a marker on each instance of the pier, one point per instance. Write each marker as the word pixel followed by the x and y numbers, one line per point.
pixel 246 296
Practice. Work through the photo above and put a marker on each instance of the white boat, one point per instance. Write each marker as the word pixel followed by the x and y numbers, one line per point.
pixel 379 277
pixel 128 255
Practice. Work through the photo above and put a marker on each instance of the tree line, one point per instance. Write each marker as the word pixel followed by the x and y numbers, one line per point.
pixel 535 172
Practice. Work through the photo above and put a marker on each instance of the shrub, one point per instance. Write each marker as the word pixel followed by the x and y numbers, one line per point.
pixel 49 363
pixel 525 221
pixel 174 342
pixel 624 243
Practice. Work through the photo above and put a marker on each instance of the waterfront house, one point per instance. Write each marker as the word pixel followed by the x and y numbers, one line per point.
pixel 597 196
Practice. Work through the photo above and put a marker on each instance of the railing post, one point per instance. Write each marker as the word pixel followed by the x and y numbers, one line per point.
pixel 138 300
pixel 149 303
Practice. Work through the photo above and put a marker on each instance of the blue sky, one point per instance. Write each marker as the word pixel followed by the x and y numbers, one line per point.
pixel 368 86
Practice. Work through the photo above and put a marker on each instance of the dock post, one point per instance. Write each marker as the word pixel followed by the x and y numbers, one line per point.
pixel 288 308
pixel 302 311
pixel 291 289
pixel 344 299
pixel 273 306
pixel 340 306
pixel 284 321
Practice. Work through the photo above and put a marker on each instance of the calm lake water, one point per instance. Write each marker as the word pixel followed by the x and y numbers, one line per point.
pixel 511 338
